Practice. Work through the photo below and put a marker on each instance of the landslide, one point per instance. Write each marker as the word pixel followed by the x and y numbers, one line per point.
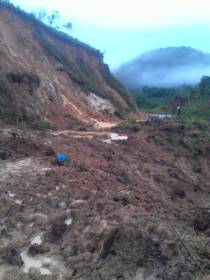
pixel 128 209
pixel 48 76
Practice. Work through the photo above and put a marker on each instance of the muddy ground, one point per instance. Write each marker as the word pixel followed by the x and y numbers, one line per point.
pixel 130 209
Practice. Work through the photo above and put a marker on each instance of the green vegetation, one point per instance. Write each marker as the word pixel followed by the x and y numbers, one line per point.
pixel 198 107
pixel 192 142
pixel 196 110
pixel 154 99
pixel 42 125
pixel 193 100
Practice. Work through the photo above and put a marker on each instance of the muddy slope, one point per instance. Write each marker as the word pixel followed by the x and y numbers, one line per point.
pixel 48 76
pixel 130 209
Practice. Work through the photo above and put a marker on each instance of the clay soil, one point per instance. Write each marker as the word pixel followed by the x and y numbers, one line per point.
pixel 132 209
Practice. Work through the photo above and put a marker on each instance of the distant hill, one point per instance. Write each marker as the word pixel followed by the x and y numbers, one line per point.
pixel 166 67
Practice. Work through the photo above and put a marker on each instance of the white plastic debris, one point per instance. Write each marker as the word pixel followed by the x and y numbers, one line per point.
pixel 36 241
pixel 117 137
pixel 68 222
pixel 77 201
pixel 12 195
pixel 19 202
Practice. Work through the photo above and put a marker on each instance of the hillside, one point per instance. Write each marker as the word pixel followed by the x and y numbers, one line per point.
pixel 166 68
pixel 47 76
pixel 80 202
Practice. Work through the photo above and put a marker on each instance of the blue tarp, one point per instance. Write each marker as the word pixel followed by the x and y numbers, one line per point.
pixel 62 157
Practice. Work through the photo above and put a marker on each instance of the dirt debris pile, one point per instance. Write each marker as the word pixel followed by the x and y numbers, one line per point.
pixel 126 210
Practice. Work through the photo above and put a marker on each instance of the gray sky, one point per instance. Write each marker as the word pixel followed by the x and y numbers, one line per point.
pixel 126 28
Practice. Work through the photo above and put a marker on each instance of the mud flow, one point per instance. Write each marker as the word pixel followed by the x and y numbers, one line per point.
pixel 130 203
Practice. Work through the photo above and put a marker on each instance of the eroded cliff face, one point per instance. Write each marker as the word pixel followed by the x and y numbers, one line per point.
pixel 45 76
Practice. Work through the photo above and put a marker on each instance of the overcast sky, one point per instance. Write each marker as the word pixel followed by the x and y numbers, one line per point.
pixel 126 28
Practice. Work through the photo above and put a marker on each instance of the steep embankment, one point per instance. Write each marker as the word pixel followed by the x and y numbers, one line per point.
pixel 48 76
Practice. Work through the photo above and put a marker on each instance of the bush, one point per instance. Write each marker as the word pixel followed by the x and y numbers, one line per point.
pixel 193 144
pixel 42 125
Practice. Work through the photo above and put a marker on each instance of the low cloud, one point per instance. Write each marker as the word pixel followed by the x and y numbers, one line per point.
pixel 169 67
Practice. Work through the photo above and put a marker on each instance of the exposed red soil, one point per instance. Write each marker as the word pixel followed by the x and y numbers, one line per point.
pixel 133 203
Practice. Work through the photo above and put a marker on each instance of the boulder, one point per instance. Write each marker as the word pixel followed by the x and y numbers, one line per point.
pixel 202 220
pixel 13 257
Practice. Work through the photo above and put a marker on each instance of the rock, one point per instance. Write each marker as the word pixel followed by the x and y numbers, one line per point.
pixel 50 152
pixel 13 257
pixel 40 219
pixel 54 203
pixel 198 189
pixel 178 191
pixel 58 231
pixel 4 155
pixel 160 231
pixel 202 220
pixel 171 249
pixel 34 273
pixel 122 199
pixel 108 243
pixel 196 166
pixel 3 232
pixel 36 249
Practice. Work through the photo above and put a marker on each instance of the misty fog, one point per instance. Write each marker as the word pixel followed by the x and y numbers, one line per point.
pixel 169 67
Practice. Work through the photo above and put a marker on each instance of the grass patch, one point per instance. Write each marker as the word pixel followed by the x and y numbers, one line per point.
pixel 197 110
pixel 42 125
pixel 192 142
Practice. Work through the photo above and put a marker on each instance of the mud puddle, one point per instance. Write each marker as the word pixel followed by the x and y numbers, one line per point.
pixel 106 137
